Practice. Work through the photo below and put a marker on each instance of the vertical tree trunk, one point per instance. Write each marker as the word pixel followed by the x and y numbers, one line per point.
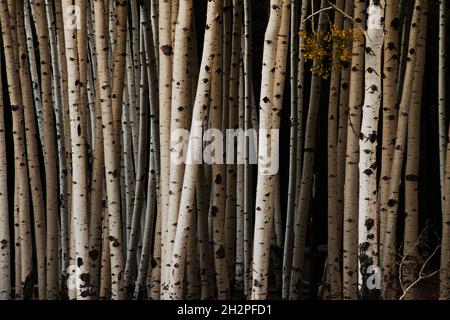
pixel 233 107
pixel 218 183
pixel 333 285
pixel 368 221
pixel 49 143
pixel 165 85
pixel 272 85
pixel 181 105
pixel 351 185
pixel 32 152
pixel 389 111
pixel 410 267
pixel 389 248
pixel 299 93
pixel 79 160
pixel 444 275
pixel 5 239
pixel 305 194
pixel 111 161
pixel 23 240
pixel 249 107
pixel 191 172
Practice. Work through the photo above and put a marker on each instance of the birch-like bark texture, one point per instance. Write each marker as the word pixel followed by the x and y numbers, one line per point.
pixel 333 286
pixel 218 180
pixel 5 238
pixel 180 110
pixel 442 97
pixel 410 267
pixel 192 170
pixel 165 85
pixel 305 194
pixel 37 194
pixel 389 248
pixel 299 93
pixel 444 275
pixel 368 220
pixel 49 143
pixel 389 110
pixel 264 203
pixel 272 86
pixel 79 160
pixel 147 150
pixel 111 162
pixel 23 270
pixel 61 226
pixel 351 184
pixel 249 107
pixel 233 106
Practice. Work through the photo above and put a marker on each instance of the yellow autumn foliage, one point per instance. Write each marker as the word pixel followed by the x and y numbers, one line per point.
pixel 329 50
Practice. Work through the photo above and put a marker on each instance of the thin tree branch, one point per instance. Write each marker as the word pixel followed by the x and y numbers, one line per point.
pixel 331 7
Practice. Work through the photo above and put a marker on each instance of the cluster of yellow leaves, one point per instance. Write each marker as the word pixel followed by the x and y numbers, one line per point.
pixel 329 50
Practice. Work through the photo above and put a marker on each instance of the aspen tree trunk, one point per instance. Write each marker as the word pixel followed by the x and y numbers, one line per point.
pixel 134 40
pixel 96 203
pixel 153 51
pixel 305 194
pixel 368 221
pixel 226 33
pixel 155 275
pixel 278 91
pixel 179 116
pixel 18 290
pixel 193 287
pixel 205 250
pixel 32 151
pixel 105 267
pixel 69 263
pixel 249 107
pixel 333 285
pixel 174 18
pixel 405 11
pixel 79 159
pixel 343 121
pixel 65 221
pixel 147 241
pixel 60 133
pixel 272 84
pixel 210 49
pixel 233 110
pixel 33 67
pixel 154 14
pixel 140 178
pixel 128 131
pixel 442 97
pixel 299 94
pixel 388 267
pixel 218 183
pixel 240 191
pixel 119 62
pixel 351 184
pixel 293 60
pixel 165 87
pixel 389 110
pixel 444 275
pixel 23 240
pixel 410 267
pixel 5 239
pixel 49 143
pixel 111 161
pixel 24 289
